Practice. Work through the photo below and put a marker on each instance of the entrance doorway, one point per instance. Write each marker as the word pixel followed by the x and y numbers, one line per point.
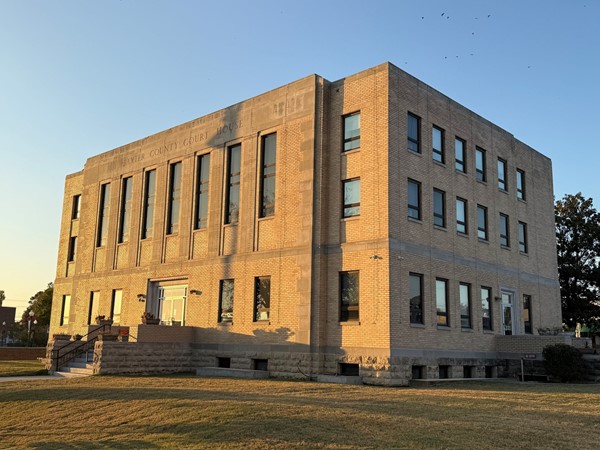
pixel 171 304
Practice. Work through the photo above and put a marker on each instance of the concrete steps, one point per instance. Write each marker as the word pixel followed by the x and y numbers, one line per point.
pixel 78 367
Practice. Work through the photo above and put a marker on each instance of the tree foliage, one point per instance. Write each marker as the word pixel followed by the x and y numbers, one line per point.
pixel 41 305
pixel 563 362
pixel 578 244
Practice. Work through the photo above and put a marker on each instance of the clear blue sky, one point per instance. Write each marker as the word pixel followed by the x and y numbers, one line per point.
pixel 81 77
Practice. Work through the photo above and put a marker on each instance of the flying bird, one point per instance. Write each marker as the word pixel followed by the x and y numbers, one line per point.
pixel 443 14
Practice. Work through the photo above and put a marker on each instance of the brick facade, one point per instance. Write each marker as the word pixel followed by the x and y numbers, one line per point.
pixel 305 245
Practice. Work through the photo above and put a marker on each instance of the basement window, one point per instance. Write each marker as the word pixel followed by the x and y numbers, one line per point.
pixel 224 363
pixel 260 364
pixel 349 370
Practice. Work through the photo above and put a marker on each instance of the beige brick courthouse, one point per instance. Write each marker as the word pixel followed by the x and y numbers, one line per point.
pixel 369 227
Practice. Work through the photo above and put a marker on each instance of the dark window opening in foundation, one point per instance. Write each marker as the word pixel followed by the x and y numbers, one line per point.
pixel 444 372
pixel 225 363
pixel 349 370
pixel 260 364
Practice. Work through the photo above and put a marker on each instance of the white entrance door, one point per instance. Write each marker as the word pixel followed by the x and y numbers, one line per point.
pixel 171 304
pixel 507 313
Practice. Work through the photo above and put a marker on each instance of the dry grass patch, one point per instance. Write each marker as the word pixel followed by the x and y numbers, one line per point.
pixel 189 412
pixel 21 368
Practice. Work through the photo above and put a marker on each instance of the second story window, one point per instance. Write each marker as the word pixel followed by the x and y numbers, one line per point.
pixel 262 298
pixel 502 185
pixel 464 290
pixel 520 179
pixel 461 216
pixel 72 249
pixel 523 237
pixel 351 131
pixel 486 308
pixel 460 158
pixel 482 225
pixel 202 184
pixel 76 207
pixel 103 215
pixel 148 207
pixel 414 199
pixel 414 133
pixel 267 179
pixel 504 231
pixel 125 213
pixel 174 198
pixel 232 200
pixel 480 164
pixel 351 197
pixel 439 208
pixel 437 141
pixel 226 292
pixel 441 302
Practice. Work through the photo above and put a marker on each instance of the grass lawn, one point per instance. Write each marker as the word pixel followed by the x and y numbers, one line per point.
pixel 21 368
pixel 188 412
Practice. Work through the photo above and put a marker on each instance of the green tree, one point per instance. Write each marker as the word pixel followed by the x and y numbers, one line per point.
pixel 2 297
pixel 578 244
pixel 41 305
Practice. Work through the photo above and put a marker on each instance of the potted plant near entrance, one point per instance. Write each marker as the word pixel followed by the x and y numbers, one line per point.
pixel 149 319
pixel 102 320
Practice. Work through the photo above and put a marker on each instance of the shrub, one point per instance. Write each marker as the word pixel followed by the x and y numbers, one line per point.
pixel 564 362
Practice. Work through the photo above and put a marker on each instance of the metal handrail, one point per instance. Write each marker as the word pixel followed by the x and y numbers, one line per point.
pixel 83 347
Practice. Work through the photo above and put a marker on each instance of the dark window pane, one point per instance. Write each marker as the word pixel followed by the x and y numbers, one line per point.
pixel 226 301
pixel 504 230
pixel 459 155
pixel 522 237
pixel 414 133
pixel 174 198
pixel 351 198
pixel 414 199
pixel 415 287
pixel 480 164
pixel 439 208
pixel 502 175
pixel 232 204
pixel 103 215
pixel 461 215
pixel 262 298
pixel 441 302
pixel 202 191
pixel 465 305
pixel 482 232
pixel 269 147
pixel 126 205
pixel 351 132
pixel 437 138
pixel 349 296
pixel 486 310
pixel 149 198
pixel 520 184
pixel 527 314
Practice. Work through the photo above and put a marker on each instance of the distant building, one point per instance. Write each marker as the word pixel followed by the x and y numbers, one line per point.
pixel 367 226
pixel 7 315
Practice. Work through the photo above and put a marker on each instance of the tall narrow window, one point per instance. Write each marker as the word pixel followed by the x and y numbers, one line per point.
pixel 414 199
pixel 202 180
pixel 174 198
pixel 480 164
pixel 482 224
pixel 522 237
pixel 267 183
pixel 437 141
pixel 520 184
pixel 351 131
pixel 72 249
pixel 502 185
pixel 65 310
pixel 226 292
pixel 94 307
pixel 414 133
pixel 461 215
pixel 349 296
pixel 415 289
pixel 486 307
pixel 441 302
pixel 460 160
pixel 439 208
pixel 465 305
pixel 262 298
pixel 103 215
pixel 125 213
pixel 527 314
pixel 504 231
pixel 76 207
pixel 232 200
pixel 115 306
pixel 149 199
pixel 351 197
